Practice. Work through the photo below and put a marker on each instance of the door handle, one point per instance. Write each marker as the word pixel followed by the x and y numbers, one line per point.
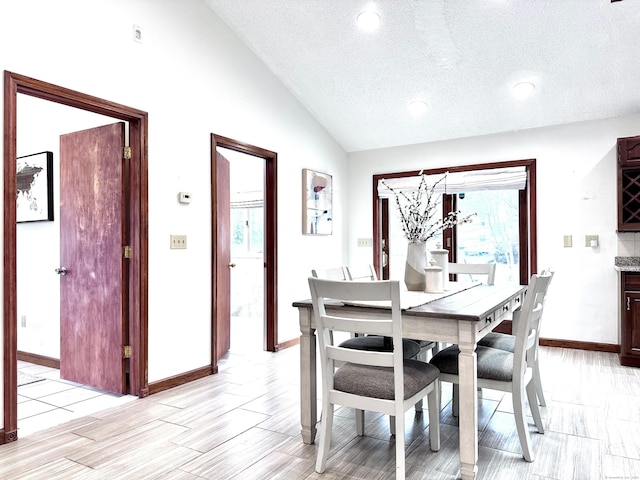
pixel 231 265
pixel 61 270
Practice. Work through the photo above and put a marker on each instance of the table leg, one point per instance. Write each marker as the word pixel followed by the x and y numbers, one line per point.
pixel 468 415
pixel 308 393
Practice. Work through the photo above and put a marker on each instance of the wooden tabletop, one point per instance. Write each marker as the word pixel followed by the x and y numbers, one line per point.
pixel 473 304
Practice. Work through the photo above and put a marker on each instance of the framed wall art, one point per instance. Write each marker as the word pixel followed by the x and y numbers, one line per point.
pixel 34 201
pixel 317 199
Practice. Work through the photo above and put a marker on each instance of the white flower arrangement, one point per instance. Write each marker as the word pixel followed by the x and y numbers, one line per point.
pixel 418 209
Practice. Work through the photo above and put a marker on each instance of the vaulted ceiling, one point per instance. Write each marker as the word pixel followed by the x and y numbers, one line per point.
pixel 462 57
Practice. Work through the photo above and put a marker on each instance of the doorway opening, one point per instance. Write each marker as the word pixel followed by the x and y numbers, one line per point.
pixel 135 176
pixel 244 228
pixel 247 252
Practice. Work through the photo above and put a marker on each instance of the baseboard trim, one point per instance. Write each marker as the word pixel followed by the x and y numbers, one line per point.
pixel 39 359
pixel 505 327
pixel 287 344
pixel 591 346
pixel 8 437
pixel 629 361
pixel 181 379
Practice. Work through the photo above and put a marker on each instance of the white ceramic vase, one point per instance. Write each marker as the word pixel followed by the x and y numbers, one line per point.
pixel 414 267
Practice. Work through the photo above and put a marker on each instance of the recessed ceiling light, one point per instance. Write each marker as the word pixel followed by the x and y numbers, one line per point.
pixel 417 107
pixel 368 20
pixel 523 89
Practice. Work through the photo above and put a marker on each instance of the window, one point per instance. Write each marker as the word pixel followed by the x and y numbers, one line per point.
pixel 247 232
pixel 493 235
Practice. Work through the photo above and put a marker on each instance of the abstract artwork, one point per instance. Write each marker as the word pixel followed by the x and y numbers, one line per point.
pixel 317 195
pixel 34 181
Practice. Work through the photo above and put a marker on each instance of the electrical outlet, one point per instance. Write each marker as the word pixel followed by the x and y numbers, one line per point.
pixel 591 240
pixel 23 321
pixel 178 242
pixel 365 242
pixel 568 241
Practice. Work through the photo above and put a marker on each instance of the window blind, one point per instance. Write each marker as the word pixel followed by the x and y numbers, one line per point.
pixel 508 178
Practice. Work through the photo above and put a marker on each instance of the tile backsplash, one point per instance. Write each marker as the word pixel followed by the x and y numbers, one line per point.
pixel 628 244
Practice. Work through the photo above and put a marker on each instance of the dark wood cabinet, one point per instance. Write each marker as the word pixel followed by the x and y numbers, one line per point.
pixel 629 184
pixel 630 321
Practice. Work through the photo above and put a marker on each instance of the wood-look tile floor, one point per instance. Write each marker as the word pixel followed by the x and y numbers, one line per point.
pixel 243 423
pixel 51 400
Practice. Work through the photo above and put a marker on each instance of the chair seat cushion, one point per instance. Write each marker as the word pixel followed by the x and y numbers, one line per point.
pixel 376 343
pixel 501 341
pixel 493 364
pixel 377 382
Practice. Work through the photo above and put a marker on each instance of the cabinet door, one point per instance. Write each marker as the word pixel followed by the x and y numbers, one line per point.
pixel 631 329
pixel 629 151
pixel 629 184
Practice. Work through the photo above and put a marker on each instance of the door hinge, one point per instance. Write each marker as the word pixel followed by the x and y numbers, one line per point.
pixel 126 351
pixel 127 251
pixel 126 153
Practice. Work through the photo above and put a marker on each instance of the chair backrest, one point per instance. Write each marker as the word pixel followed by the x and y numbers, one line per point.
pixel 488 269
pixel 337 273
pixel 528 322
pixel 361 272
pixel 323 291
pixel 542 296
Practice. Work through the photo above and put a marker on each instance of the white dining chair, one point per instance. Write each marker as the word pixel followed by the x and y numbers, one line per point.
pixel 367 272
pixel 505 341
pixel 470 271
pixel 505 371
pixel 359 340
pixel 473 269
pixel 333 273
pixel 383 382
pixel 361 272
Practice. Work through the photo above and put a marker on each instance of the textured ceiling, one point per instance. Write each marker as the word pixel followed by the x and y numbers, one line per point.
pixel 461 56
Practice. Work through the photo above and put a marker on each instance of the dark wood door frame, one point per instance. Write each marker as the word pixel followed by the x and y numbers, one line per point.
pixel 138 231
pixel 270 235
pixel 526 203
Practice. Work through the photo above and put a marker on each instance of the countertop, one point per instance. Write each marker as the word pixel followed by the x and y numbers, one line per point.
pixel 627 264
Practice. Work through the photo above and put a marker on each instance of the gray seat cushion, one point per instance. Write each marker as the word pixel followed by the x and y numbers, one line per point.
pixel 377 382
pixel 376 343
pixel 493 364
pixel 500 341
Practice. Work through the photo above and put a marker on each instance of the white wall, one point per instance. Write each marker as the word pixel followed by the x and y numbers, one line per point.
pixel 576 175
pixel 194 77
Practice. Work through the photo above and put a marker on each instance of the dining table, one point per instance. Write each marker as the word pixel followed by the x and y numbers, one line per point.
pixel 461 315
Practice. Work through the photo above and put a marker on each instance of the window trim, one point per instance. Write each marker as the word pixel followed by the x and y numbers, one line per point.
pixel 527 222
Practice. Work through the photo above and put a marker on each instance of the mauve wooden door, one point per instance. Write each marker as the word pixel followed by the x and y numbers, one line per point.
pixel 92 315
pixel 221 176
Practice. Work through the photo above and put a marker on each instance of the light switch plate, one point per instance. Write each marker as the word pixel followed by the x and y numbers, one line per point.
pixel 568 241
pixel 365 242
pixel 178 242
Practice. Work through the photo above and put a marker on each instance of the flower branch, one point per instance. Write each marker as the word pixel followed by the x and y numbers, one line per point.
pixel 418 211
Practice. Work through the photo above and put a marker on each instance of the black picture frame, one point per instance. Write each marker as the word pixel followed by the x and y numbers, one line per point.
pixel 34 185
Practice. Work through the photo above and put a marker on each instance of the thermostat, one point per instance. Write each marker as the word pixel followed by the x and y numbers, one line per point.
pixel 184 197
